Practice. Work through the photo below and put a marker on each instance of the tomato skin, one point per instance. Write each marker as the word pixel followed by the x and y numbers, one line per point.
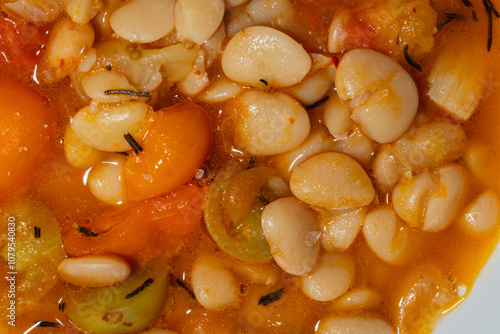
pixel 144 230
pixel 21 43
pixel 27 135
pixel 174 148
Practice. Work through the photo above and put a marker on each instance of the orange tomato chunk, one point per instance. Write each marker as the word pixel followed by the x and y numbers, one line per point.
pixel 143 230
pixel 26 135
pixel 174 148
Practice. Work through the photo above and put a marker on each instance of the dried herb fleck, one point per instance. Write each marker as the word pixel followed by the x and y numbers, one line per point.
pixel 317 104
pixel 133 144
pixel 410 61
pixel 46 324
pixel 38 232
pixel 185 287
pixel 127 92
pixel 143 286
pixel 271 298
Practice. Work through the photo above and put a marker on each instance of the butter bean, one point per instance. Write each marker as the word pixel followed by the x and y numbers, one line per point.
pixel 332 181
pixel 94 270
pixel 290 230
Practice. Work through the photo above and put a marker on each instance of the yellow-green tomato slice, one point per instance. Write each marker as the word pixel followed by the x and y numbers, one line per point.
pixel 124 308
pixel 242 239
pixel 31 233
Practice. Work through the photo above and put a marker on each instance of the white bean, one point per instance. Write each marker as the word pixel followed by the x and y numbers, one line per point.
pixel 220 90
pixel 290 230
pixel 88 62
pixel 276 13
pixel 358 299
pixel 214 46
pixel 197 80
pixel 331 278
pixel 317 141
pixel 385 234
pixel 97 83
pixel 332 181
pixel 386 169
pixel 382 95
pixel 197 20
pixel 77 152
pixel 340 228
pixel 435 144
pixel 353 325
pixel 445 200
pixel 338 117
pixel 82 11
pixel 481 215
pixel 409 198
pixel 317 83
pixel 268 123
pixel 104 129
pixel 143 21
pixel 68 44
pixel 358 146
pixel 234 3
pixel 261 273
pixel 106 181
pixel 34 10
pixel 338 37
pixel 262 53
pixel 477 157
pixel 94 270
pixel 213 285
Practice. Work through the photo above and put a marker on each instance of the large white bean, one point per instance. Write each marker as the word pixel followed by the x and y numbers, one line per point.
pixel 82 11
pixel 268 123
pixel 435 144
pixel 263 53
pixel 197 20
pixel 477 156
pixel 220 90
pixel 213 285
pixel 338 117
pixel 445 200
pixel 317 142
pixel 332 181
pixel 410 197
pixel 197 80
pixel 317 83
pixel 234 3
pixel 385 234
pixel 276 13
pixel 97 83
pixel 340 228
pixel 94 270
pixel 143 21
pixel 383 96
pixel 34 10
pixel 386 169
pixel 358 299
pixel 353 325
pixel 106 181
pixel 77 152
pixel 481 215
pixel 358 146
pixel 67 46
pixel 331 278
pixel 290 230
pixel 105 128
